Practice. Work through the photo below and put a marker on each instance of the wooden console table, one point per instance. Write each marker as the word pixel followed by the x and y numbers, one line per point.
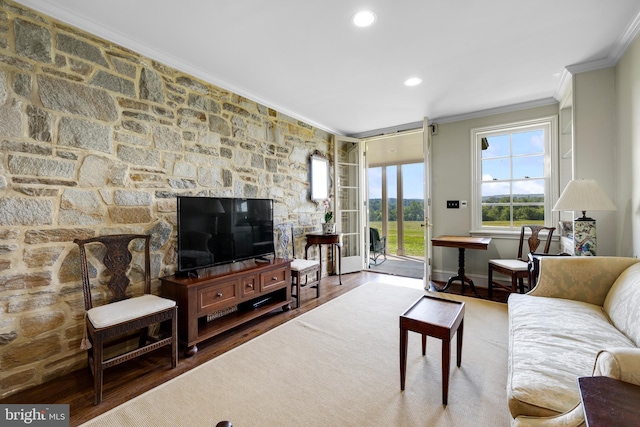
pixel 462 243
pixel 609 402
pixel 227 296
pixel 333 240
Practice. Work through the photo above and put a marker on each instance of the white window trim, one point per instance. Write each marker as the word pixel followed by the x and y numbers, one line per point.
pixel 551 166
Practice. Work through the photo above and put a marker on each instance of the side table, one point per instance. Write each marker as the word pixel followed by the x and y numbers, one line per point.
pixel 333 240
pixel 609 402
pixel 462 243
pixel 438 318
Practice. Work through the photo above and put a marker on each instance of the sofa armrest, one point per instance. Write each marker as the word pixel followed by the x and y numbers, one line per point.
pixel 620 363
pixel 580 278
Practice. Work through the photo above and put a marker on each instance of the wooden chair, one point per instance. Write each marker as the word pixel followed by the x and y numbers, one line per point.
pixel 377 246
pixel 123 315
pixel 517 269
pixel 303 268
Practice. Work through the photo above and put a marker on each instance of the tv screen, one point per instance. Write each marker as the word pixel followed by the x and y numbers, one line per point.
pixel 214 230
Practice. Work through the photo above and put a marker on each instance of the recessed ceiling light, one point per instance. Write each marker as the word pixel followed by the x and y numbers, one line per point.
pixel 413 81
pixel 364 18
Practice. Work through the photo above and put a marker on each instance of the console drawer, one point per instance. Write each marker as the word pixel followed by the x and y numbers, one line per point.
pixel 273 279
pixel 249 286
pixel 218 296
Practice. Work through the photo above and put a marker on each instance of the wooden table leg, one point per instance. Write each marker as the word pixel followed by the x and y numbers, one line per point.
pixel 460 276
pixel 446 361
pixel 459 338
pixel 404 337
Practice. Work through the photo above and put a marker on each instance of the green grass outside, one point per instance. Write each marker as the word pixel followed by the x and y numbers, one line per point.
pixel 414 237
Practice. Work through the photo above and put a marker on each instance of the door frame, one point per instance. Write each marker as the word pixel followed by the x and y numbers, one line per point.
pixel 350 264
pixel 426 141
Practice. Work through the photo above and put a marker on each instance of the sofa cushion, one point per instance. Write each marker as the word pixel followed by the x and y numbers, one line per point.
pixel 552 342
pixel 623 302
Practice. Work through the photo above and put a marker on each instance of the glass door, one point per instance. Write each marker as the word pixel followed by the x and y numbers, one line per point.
pixel 395 200
pixel 411 209
pixel 349 206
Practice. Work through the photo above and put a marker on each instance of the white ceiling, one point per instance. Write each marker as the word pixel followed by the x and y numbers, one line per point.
pixel 306 59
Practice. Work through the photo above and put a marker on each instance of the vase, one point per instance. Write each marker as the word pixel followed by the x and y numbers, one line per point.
pixel 329 228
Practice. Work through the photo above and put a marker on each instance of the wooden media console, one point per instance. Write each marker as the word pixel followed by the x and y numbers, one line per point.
pixel 227 296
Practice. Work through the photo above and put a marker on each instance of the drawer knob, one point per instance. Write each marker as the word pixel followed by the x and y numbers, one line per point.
pixel 219 294
pixel 274 278
pixel 250 285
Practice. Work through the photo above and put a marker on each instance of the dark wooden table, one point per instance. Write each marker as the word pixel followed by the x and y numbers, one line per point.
pixel 438 318
pixel 462 243
pixel 333 240
pixel 609 402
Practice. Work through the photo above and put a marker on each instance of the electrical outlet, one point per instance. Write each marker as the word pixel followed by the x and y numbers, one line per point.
pixel 463 204
pixel 453 204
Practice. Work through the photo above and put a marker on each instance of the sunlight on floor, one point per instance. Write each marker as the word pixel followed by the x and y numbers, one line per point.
pixel 398 281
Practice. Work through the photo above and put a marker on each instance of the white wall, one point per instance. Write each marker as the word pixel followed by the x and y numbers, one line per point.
pixel 627 160
pixel 594 141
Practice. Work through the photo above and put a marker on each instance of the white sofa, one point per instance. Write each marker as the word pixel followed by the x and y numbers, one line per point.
pixel 581 319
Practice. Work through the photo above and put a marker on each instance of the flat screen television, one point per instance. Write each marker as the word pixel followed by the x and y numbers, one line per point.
pixel 216 230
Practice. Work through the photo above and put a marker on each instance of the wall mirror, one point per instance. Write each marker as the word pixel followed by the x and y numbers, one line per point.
pixel 319 177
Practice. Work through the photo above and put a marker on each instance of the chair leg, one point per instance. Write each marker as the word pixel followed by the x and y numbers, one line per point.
pixel 490 284
pixel 296 286
pixel 521 283
pixel 144 334
pixel 97 370
pixel 514 283
pixel 174 338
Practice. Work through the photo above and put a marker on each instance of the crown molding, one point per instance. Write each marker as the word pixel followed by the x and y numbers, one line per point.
pixel 70 17
pixel 625 39
pixel 493 111
pixel 389 130
pixel 618 50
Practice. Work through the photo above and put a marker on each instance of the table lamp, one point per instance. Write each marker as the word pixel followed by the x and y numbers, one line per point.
pixel 584 195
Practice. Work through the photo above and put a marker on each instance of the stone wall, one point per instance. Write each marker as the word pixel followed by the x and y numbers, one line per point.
pixel 96 139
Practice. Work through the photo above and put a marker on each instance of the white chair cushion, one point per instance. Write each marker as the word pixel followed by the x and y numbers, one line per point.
pixel 511 264
pixel 303 264
pixel 129 309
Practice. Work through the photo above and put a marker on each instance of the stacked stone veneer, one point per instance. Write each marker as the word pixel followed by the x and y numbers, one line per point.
pixel 96 139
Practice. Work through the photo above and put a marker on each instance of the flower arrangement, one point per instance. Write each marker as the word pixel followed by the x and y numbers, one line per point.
pixel 328 213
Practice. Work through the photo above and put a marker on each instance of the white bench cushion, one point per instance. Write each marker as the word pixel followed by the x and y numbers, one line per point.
pixel 125 310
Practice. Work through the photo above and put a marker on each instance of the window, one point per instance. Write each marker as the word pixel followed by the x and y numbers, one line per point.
pixel 514 174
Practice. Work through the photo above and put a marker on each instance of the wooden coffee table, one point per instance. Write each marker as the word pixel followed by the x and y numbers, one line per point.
pixel 438 318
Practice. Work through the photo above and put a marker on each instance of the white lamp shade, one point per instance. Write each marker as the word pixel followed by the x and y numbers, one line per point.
pixel 584 195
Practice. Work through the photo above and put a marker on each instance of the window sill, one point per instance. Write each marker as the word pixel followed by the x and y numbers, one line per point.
pixel 504 234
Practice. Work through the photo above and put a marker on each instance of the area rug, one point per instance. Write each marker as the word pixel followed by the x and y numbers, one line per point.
pixel 339 365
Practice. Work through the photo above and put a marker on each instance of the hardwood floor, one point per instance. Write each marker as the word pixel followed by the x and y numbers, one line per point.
pixel 128 380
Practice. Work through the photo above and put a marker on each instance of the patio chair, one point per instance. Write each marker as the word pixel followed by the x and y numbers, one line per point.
pixel 377 246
